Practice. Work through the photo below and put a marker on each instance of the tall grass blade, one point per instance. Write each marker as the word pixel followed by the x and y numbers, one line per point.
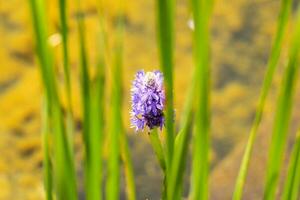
pixel 200 165
pixel 179 160
pixel 165 41
pixel 85 81
pixel 283 115
pixel 113 180
pixel 181 145
pixel 64 172
pixel 64 34
pixel 292 183
pixel 271 66
pixel 127 160
pixel 47 167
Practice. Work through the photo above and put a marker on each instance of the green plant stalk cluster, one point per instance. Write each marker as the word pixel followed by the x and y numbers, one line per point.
pixel 283 115
pixel 271 66
pixel 93 112
pixel 64 181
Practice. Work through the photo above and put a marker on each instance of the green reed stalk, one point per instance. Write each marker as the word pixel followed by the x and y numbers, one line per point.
pixel 179 159
pixel 64 171
pixel 271 66
pixel 47 168
pixel 283 115
pixel 64 34
pixel 181 145
pixel 200 164
pixel 113 181
pixel 165 23
pixel 292 183
pixel 97 130
pixel 94 166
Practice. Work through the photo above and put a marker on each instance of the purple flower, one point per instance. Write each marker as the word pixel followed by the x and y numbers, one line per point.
pixel 148 100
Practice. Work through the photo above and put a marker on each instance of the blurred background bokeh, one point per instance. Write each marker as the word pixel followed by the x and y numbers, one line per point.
pixel 241 36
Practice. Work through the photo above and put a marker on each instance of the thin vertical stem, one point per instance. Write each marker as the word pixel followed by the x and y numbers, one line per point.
pixel 47 168
pixel 165 24
pixel 200 164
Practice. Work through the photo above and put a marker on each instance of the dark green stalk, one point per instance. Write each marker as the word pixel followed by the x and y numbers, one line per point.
pixel 272 63
pixel 85 81
pixel 165 42
pixel 113 181
pixel 64 34
pixel 292 183
pixel 283 115
pixel 200 164
pixel 47 168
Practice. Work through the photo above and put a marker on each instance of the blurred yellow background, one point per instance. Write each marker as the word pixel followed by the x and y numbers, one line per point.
pixel 241 37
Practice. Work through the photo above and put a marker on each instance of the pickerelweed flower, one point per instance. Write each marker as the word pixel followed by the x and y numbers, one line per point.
pixel 148 100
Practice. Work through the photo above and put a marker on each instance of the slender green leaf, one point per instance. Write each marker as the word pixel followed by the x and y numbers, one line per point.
pixel 200 165
pixel 283 115
pixel 292 183
pixel 165 41
pixel 64 33
pixel 272 63
pixel 181 145
pixel 47 168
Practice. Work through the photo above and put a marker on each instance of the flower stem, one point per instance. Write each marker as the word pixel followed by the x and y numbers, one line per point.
pixel 157 147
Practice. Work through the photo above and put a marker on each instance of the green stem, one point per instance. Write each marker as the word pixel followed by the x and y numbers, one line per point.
pixel 47 169
pixel 157 147
pixel 165 41
pixel 200 164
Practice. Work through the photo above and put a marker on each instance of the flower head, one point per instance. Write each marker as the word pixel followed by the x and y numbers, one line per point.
pixel 148 99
